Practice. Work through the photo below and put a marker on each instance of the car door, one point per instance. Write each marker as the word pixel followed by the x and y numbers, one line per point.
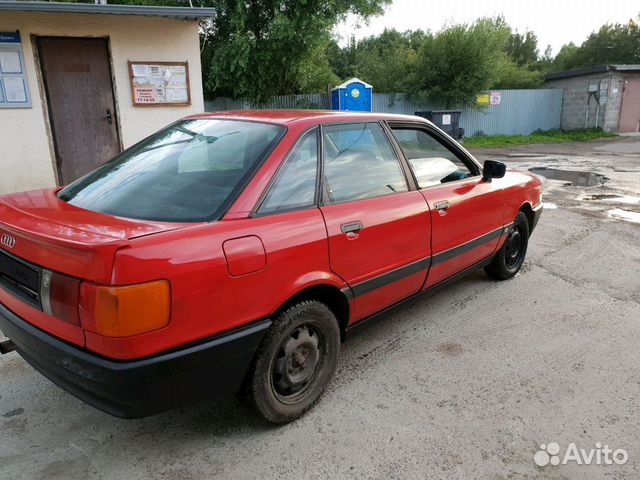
pixel 466 211
pixel 378 227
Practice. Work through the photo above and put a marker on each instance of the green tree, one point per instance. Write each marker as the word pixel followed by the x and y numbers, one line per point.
pixel 619 43
pixel 522 48
pixel 567 58
pixel 545 60
pixel 612 43
pixel 388 61
pixel 460 61
pixel 511 75
pixel 255 49
pixel 342 60
pixel 521 65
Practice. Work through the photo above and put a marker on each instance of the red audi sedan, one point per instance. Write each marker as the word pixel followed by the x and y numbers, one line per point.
pixel 233 252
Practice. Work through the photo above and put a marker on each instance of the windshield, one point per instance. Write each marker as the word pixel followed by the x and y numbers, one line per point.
pixel 188 172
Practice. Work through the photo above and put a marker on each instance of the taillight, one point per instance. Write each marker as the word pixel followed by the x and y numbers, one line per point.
pixel 59 296
pixel 126 311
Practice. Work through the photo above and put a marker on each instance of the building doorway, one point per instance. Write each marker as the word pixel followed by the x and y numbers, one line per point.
pixel 79 89
pixel 630 109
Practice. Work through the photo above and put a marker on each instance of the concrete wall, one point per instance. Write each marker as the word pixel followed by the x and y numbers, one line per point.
pixel 574 101
pixel 574 106
pixel 26 149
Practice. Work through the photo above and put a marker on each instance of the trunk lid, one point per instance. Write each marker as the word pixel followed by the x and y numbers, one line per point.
pixel 53 234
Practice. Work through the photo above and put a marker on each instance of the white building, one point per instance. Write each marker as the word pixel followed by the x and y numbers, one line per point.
pixel 81 82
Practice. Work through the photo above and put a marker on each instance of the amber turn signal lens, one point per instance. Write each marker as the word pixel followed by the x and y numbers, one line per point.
pixel 133 309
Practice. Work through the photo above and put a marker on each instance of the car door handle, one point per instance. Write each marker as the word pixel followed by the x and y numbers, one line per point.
pixel 441 205
pixel 351 227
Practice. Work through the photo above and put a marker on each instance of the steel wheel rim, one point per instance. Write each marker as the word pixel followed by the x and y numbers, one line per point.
pixel 514 247
pixel 297 363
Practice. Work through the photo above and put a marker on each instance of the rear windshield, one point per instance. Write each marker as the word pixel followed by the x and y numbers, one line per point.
pixel 188 172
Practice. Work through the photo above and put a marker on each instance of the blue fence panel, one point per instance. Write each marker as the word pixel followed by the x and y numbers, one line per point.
pixel 307 101
pixel 520 112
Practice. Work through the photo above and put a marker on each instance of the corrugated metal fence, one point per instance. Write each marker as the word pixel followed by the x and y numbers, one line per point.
pixel 520 111
pixel 317 101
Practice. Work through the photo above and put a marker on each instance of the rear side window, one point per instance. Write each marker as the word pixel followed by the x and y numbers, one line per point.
pixel 360 163
pixel 187 172
pixel 432 163
pixel 295 185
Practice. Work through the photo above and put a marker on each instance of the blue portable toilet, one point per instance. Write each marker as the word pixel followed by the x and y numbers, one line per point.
pixel 353 95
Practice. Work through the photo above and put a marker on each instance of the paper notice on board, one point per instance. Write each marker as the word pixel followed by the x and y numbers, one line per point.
pixel 176 95
pixel 155 71
pixel 446 119
pixel 14 89
pixel 145 94
pixel 140 70
pixel 178 76
pixel 10 62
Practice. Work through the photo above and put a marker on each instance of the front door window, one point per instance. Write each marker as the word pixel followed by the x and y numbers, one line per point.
pixel 432 162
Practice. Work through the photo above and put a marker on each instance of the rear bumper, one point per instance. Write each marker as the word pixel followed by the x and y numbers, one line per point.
pixel 134 389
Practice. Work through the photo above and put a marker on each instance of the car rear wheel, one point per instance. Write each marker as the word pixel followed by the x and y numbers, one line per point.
pixel 510 257
pixel 295 362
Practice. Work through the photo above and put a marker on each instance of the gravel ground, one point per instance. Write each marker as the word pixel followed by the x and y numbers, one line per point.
pixel 465 384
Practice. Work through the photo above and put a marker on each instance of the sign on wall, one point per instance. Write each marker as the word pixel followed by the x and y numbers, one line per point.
pixel 604 92
pixel 14 88
pixel 482 100
pixel 490 99
pixel 159 83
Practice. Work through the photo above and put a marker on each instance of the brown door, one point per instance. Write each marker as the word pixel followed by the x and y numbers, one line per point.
pixel 630 110
pixel 77 78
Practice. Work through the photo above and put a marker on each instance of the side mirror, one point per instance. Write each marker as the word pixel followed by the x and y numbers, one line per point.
pixel 492 169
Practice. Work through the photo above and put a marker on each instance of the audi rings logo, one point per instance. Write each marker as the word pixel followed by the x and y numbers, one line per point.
pixel 7 240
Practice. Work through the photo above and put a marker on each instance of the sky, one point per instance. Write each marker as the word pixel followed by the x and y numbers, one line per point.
pixel 555 22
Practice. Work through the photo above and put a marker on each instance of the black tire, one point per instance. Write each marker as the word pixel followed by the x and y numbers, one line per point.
pixel 510 257
pixel 294 363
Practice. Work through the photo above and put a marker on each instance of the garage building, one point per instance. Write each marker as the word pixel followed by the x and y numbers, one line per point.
pixel 81 82
pixel 605 96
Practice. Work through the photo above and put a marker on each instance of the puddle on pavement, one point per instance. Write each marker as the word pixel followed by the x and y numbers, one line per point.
pixel 611 198
pixel 601 196
pixel 582 179
pixel 626 215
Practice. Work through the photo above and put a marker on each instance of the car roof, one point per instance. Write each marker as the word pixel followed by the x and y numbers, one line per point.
pixel 303 116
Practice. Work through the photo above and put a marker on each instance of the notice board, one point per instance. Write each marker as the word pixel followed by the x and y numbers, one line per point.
pixel 14 89
pixel 159 84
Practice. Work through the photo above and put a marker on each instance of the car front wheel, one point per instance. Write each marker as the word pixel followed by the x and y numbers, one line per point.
pixel 295 362
pixel 510 257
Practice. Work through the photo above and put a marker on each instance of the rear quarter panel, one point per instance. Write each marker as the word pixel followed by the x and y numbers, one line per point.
pixel 206 298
